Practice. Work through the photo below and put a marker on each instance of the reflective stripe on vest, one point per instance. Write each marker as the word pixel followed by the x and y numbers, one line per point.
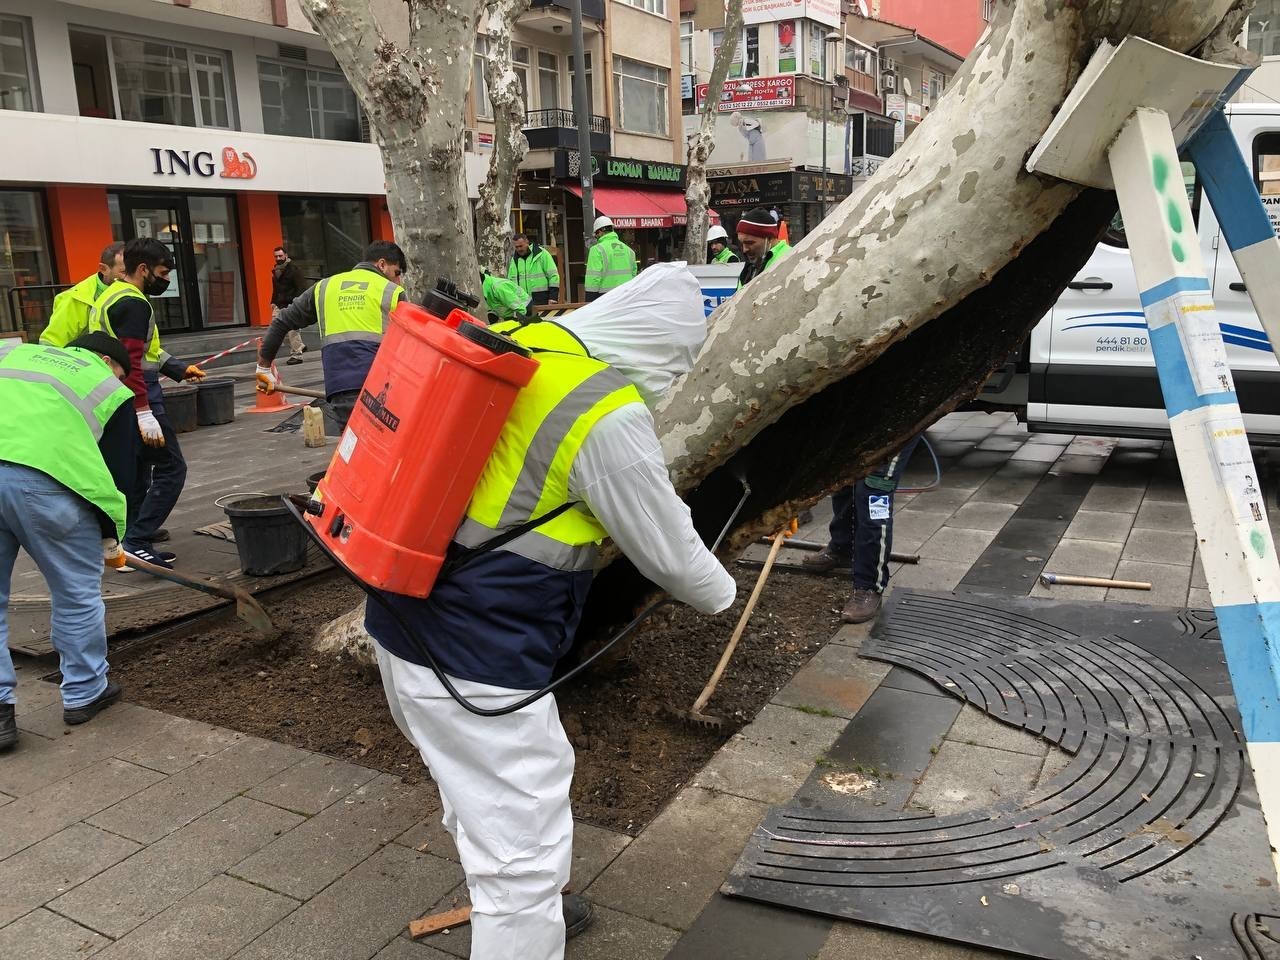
pixel 155 356
pixel 534 272
pixel 354 305
pixel 46 434
pixel 610 264
pixel 527 475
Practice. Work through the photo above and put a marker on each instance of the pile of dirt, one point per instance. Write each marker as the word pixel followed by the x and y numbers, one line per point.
pixel 632 756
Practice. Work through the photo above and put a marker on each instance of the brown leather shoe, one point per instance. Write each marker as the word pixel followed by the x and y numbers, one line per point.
pixel 862 606
pixel 825 560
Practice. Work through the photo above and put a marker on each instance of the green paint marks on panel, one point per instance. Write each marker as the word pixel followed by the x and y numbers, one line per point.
pixel 1175 216
pixel 1160 172
pixel 1178 253
pixel 1259 543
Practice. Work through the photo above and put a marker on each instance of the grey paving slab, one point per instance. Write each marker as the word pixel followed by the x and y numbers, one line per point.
pixel 211 924
pixel 853 941
pixel 930 574
pixel 1081 466
pixel 1155 515
pixel 5 798
pixel 1043 452
pixel 917 526
pixel 181 744
pixel 730 927
pixel 307 859
pixel 362 912
pixel 33 694
pixel 38 761
pixel 1005 489
pixel 836 681
pixel 792 731
pixel 700 831
pixel 1198 580
pixel 594 849
pixel 1166 491
pixel 1001 443
pixel 956 545
pixel 747 769
pixel 1114 498
pixel 1055 761
pixel 852 634
pixel 981 515
pixel 130 893
pixel 403 948
pixel 1198 598
pixel 1169 583
pixel 34 876
pixel 55 807
pixel 614 935
pixel 1080 558
pixel 310 786
pixel 1160 546
pixel 1106 525
pixel 193 792
pixel 43 935
pixel 973 726
pixel 966 777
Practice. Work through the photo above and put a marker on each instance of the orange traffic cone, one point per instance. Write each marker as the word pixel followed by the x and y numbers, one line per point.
pixel 272 402
pixel 782 232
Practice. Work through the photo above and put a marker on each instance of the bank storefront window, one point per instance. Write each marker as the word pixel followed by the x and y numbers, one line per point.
pixel 25 261
pixel 324 235
pixel 305 102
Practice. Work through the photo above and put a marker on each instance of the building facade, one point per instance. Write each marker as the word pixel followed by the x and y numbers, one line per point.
pixel 954 24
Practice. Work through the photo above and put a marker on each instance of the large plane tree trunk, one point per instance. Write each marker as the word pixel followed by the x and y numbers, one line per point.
pixel 493 214
pixel 414 93
pixel 697 192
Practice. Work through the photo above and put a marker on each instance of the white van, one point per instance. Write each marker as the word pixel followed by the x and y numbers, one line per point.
pixel 1087 367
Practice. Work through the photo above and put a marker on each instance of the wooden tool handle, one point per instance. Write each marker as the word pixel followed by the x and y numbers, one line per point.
pixel 1066 580
pixel 440 921
pixel 300 391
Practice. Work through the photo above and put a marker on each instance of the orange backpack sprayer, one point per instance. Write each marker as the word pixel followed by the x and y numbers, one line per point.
pixel 428 416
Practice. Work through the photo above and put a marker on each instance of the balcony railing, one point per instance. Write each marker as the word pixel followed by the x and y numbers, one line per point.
pixel 548 129
pixel 590 8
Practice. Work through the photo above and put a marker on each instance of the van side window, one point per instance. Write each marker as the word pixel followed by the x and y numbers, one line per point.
pixel 1266 174
pixel 1115 233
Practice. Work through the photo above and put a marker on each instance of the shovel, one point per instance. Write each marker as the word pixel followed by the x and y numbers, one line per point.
pixel 247 608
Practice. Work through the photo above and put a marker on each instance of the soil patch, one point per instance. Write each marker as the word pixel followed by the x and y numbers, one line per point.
pixel 632 756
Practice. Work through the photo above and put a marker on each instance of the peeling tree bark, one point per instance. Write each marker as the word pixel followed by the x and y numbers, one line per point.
pixel 414 95
pixel 697 193
pixel 493 215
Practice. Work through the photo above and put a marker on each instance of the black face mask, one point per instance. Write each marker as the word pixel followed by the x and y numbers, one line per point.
pixel 154 286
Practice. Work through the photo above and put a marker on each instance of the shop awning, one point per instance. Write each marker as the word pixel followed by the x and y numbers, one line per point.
pixel 639 209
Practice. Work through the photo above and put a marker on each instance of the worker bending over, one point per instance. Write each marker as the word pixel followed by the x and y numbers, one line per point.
pixel 504 299
pixel 580 435
pixel 758 234
pixel 610 263
pixel 67 446
pixel 352 310
pixel 71 308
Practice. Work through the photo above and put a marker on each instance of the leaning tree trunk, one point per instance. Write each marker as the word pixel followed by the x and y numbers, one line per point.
pixel 697 192
pixel 909 294
pixel 414 94
pixel 493 214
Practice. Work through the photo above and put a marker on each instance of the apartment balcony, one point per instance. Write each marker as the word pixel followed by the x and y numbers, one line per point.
pixel 549 129
pixel 553 15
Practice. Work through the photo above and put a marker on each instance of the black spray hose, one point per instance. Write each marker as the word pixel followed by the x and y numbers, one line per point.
pixel 937 472
pixel 421 647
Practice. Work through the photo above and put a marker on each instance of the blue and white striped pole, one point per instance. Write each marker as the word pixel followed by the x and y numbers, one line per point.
pixel 1229 185
pixel 1217 465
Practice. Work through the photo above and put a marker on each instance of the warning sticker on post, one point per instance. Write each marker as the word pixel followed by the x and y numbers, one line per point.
pixel 1202 344
pixel 1229 446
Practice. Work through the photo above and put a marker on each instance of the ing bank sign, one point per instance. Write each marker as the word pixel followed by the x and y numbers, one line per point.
pixel 231 165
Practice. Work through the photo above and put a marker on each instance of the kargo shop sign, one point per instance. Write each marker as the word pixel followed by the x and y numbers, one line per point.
pixel 756 93
pixel 232 164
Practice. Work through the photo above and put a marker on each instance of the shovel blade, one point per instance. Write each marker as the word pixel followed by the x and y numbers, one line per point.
pixel 251 612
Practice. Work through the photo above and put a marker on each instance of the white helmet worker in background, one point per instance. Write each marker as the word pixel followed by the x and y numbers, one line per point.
pixel 498 624
pixel 610 262
pixel 718 246
pixel 602 225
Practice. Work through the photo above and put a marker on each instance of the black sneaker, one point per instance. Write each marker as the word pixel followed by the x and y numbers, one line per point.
pixel 145 555
pixel 168 556
pixel 75 715
pixel 292 360
pixel 160 536
pixel 8 727
pixel 578 913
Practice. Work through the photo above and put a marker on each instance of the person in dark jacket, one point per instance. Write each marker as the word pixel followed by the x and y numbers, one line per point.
pixel 287 282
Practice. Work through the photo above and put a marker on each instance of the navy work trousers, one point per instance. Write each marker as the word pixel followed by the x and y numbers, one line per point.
pixel 863 523
pixel 162 473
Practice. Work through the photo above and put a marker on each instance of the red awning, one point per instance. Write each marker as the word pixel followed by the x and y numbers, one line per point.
pixel 639 209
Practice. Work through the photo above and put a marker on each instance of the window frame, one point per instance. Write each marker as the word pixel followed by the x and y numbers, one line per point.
pixel 480 103
pixel 851 51
pixel 1248 31
pixel 988 10
pixel 29 55
pixel 657 7
pixel 311 110
pixel 690 38
pixel 664 95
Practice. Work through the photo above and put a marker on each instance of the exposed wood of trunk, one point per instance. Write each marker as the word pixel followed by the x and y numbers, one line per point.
pixel 697 192
pixel 493 215
pixel 414 95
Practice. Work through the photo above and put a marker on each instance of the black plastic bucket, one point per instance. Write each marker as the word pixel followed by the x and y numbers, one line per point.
pixel 215 401
pixel 180 406
pixel 268 539
pixel 313 481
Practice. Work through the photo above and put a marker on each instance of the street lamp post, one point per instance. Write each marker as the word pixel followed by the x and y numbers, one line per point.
pixel 583 112
pixel 832 39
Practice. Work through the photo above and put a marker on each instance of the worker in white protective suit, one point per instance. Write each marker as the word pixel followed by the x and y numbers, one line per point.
pixel 580 458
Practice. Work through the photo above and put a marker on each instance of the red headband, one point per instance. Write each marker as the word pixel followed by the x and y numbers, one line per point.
pixel 757 229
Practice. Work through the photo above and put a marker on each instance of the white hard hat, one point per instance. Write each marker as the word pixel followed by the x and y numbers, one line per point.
pixel 600 224
pixel 717 233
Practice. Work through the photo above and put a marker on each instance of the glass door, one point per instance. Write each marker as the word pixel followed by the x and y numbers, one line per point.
pixel 165 219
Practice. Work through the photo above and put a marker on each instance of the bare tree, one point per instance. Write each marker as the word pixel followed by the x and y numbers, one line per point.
pixel 413 92
pixel 493 215
pixel 697 192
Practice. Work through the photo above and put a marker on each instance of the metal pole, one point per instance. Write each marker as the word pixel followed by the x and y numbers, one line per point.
pixel 583 114
pixel 822 187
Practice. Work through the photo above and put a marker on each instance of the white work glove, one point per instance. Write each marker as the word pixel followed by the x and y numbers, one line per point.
pixel 266 377
pixel 149 427
pixel 112 555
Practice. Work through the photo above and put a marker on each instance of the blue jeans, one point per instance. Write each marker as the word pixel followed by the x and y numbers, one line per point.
pixel 162 473
pixel 863 521
pixel 61 533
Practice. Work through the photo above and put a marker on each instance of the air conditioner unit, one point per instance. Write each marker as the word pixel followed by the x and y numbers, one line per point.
pixel 888 81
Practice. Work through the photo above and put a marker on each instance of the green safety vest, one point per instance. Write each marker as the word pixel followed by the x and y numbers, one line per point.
pixel 535 273
pixel 527 475
pixel 355 305
pixel 71 308
pixel 776 253
pixel 155 356
pixel 504 298
pixel 727 256
pixel 55 404
pixel 610 264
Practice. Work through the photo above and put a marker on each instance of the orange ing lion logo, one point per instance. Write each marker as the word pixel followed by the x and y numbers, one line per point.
pixel 234 167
